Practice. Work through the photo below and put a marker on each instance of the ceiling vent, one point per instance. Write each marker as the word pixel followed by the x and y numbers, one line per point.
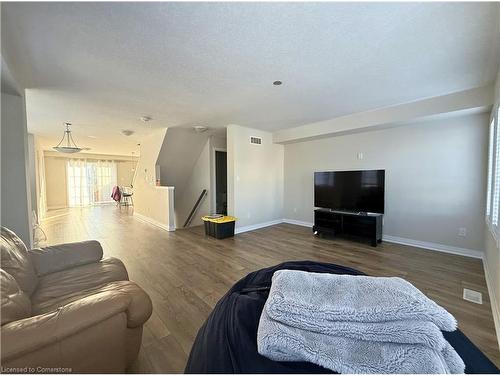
pixel 256 140
pixel 473 296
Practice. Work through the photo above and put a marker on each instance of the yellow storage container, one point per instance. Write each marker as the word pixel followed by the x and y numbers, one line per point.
pixel 219 227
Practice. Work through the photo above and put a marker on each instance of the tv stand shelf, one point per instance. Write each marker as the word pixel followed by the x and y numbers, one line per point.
pixel 353 224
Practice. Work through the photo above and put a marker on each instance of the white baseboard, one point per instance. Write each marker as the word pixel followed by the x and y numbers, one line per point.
pixel 154 222
pixel 434 246
pixel 249 228
pixel 298 222
pixel 399 240
pixel 59 207
pixel 495 308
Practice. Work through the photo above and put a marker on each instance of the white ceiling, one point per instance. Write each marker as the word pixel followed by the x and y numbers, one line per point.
pixel 103 65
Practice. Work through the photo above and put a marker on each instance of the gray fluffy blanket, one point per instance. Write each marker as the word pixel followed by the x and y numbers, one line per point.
pixel 355 324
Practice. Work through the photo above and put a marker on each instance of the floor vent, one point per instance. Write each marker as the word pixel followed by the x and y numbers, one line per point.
pixel 473 296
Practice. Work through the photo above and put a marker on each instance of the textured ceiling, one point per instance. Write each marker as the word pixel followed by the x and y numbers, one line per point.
pixel 103 65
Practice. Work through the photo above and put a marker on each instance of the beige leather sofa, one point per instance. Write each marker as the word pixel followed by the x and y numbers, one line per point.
pixel 64 308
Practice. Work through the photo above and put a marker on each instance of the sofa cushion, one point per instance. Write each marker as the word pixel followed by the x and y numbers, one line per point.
pixel 59 288
pixel 57 258
pixel 139 304
pixel 16 304
pixel 16 262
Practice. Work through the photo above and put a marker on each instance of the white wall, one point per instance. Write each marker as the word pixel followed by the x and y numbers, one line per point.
pixel 32 171
pixel 179 152
pixel 56 182
pixel 198 180
pixel 435 177
pixel 201 176
pixel 497 88
pixel 125 170
pixel 41 191
pixel 254 177
pixel 15 194
pixel 152 203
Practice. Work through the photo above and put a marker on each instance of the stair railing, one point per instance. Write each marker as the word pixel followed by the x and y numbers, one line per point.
pixel 195 208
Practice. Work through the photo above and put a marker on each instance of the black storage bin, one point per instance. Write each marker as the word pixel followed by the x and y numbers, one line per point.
pixel 219 230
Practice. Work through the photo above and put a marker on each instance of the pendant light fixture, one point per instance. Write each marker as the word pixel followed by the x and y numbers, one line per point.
pixel 67 144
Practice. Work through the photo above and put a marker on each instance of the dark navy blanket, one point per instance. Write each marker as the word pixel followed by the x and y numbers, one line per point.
pixel 227 341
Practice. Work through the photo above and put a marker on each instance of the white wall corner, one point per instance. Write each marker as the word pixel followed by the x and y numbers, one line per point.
pixel 145 219
pixel 495 307
pixel 298 222
pixel 471 253
pixel 249 228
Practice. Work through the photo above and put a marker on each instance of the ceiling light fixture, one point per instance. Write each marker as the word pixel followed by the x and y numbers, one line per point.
pixel 70 146
pixel 277 83
pixel 200 128
pixel 127 132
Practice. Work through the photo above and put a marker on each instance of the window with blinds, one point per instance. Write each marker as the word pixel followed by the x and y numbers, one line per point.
pixel 90 182
pixel 496 181
pixel 493 182
pixel 490 167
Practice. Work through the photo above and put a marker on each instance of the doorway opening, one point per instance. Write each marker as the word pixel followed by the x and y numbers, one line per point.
pixel 221 182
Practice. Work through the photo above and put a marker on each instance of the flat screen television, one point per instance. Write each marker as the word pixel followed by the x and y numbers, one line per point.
pixel 359 191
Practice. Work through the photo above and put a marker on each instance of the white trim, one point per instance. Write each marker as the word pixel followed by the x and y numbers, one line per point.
pixel 409 242
pixel 298 222
pixel 434 246
pixel 399 240
pixel 495 308
pixel 58 207
pixel 249 228
pixel 154 222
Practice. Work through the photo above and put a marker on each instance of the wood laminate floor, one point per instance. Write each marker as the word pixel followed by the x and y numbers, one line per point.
pixel 186 273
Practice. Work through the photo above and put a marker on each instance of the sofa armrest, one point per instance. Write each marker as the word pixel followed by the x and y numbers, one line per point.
pixel 60 257
pixel 30 334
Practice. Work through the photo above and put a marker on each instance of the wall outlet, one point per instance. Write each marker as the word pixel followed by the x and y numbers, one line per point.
pixel 462 232
pixel 360 156
pixel 295 209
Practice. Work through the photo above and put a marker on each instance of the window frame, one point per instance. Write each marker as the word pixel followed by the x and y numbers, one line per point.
pixel 493 174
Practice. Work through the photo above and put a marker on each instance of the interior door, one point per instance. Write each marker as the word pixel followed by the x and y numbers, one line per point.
pixel 221 182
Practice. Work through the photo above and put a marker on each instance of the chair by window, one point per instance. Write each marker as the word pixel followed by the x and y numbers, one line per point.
pixel 127 193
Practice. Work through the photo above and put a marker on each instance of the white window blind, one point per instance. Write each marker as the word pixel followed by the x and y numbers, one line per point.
pixel 496 177
pixel 90 181
pixel 490 167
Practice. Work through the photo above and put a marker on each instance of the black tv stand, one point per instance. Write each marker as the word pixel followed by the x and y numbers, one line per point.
pixel 363 225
